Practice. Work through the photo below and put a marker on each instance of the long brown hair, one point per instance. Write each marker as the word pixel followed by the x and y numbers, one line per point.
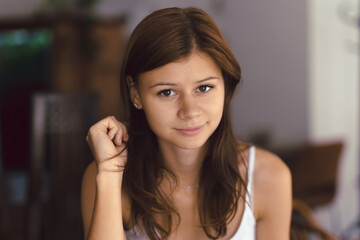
pixel 165 36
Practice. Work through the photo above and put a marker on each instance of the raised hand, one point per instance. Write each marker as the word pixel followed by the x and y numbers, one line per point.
pixel 106 140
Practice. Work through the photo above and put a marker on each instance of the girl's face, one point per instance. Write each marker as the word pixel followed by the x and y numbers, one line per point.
pixel 183 101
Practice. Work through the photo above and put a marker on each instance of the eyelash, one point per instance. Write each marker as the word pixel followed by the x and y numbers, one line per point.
pixel 161 93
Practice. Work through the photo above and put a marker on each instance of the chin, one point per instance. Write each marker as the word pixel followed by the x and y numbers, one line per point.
pixel 190 143
pixel 189 147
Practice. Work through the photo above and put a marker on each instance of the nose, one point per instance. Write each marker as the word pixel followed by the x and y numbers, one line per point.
pixel 189 108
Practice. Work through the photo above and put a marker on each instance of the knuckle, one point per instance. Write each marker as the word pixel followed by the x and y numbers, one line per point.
pixel 91 130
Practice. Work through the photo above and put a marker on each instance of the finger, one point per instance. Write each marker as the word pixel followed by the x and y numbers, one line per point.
pixel 112 133
pixel 118 138
pixel 125 135
pixel 107 124
pixel 122 133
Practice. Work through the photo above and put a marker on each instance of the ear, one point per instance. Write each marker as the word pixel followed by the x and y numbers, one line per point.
pixel 134 94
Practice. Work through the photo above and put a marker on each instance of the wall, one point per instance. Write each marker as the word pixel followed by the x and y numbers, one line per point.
pixel 334 99
pixel 269 39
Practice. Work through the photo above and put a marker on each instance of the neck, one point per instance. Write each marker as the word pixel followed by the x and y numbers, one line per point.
pixel 184 163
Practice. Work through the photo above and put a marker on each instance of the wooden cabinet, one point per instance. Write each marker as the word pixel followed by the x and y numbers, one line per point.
pixel 87 56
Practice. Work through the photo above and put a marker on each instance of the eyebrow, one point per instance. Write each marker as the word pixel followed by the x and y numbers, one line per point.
pixel 173 84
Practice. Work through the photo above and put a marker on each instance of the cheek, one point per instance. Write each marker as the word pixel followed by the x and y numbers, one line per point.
pixel 216 105
pixel 157 115
pixel 217 111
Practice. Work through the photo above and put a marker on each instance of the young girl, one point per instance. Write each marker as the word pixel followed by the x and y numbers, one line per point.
pixel 173 169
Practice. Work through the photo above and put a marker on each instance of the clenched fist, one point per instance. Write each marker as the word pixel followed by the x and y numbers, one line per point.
pixel 106 140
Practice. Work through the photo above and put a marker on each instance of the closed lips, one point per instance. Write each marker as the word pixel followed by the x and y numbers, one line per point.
pixel 191 128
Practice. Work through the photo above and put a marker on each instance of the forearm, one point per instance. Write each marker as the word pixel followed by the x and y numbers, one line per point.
pixel 107 220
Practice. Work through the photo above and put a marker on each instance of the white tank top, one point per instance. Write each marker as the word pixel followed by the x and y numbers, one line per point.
pixel 247 228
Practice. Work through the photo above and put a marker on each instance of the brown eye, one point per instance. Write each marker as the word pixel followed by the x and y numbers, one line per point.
pixel 205 88
pixel 166 93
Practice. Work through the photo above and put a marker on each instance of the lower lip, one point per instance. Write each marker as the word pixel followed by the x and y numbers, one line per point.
pixel 190 132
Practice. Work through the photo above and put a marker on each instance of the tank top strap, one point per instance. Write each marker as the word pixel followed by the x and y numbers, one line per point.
pixel 251 165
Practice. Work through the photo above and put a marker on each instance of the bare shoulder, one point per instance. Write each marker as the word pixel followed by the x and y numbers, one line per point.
pixel 268 166
pixel 272 189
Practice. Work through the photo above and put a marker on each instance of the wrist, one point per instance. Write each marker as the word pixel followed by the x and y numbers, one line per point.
pixel 109 178
pixel 113 166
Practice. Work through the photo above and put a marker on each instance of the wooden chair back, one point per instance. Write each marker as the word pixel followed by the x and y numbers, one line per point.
pixel 59 155
pixel 315 173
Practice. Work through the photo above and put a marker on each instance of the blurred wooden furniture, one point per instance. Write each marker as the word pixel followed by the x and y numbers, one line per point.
pixel 59 155
pixel 87 55
pixel 314 173
pixel 304 225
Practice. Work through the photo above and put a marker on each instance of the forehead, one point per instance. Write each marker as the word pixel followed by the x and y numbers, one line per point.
pixel 196 66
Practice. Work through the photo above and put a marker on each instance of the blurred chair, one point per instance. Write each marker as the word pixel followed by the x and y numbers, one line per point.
pixel 304 225
pixel 59 155
pixel 314 173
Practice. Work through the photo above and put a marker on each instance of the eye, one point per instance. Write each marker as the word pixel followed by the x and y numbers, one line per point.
pixel 166 93
pixel 204 88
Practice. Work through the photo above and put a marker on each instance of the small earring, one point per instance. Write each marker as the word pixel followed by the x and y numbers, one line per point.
pixel 135 105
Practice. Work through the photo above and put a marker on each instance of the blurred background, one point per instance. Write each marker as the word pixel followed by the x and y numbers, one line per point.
pixel 59 68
